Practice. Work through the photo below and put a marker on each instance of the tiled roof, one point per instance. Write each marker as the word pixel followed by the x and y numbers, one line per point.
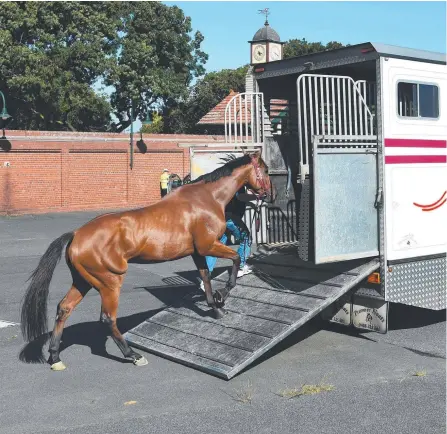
pixel 216 116
pixel 277 106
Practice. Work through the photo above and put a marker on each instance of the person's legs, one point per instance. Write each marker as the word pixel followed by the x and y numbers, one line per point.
pixel 243 236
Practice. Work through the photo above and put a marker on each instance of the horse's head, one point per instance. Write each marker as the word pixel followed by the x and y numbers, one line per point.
pixel 259 179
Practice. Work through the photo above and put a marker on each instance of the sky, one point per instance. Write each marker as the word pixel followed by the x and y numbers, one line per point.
pixel 228 25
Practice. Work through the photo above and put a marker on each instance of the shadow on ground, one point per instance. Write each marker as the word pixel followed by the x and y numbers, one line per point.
pixel 402 317
pixel 92 334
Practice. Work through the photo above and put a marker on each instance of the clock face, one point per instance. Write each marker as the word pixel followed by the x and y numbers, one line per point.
pixel 275 52
pixel 259 53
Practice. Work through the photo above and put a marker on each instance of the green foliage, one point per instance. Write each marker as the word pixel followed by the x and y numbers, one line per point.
pixel 205 94
pixel 52 53
pixel 157 61
pixel 155 127
pixel 300 47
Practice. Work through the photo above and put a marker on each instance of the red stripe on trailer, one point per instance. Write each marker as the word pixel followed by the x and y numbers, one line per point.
pixel 435 207
pixel 409 159
pixel 415 143
pixel 432 204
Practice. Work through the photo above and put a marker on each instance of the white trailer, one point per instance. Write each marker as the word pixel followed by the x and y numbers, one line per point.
pixel 372 135
pixel 365 143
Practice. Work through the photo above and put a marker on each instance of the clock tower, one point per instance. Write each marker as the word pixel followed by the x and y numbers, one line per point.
pixel 266 45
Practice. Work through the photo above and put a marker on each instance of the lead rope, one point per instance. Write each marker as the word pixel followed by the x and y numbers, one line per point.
pixel 257 215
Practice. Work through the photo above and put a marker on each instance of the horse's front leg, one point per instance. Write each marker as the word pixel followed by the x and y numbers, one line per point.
pixel 220 250
pixel 200 262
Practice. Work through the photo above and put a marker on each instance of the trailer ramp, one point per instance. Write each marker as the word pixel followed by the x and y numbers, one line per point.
pixel 281 295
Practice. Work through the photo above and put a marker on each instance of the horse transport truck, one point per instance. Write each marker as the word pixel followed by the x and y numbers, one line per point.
pixel 359 135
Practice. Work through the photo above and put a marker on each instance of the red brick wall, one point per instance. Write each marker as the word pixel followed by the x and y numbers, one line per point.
pixel 57 172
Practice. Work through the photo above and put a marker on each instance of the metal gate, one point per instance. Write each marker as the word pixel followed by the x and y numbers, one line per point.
pixel 338 168
pixel 244 119
pixel 330 105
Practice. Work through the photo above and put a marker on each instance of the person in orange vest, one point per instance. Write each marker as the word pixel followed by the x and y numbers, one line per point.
pixel 164 180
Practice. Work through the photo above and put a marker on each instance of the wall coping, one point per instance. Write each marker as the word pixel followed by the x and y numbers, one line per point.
pixel 50 136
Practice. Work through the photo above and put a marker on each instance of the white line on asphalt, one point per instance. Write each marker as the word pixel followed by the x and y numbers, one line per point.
pixel 4 324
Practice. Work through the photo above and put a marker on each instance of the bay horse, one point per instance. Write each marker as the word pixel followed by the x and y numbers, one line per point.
pixel 188 221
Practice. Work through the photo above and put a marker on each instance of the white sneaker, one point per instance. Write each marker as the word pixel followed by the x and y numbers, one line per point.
pixel 246 269
pixel 202 286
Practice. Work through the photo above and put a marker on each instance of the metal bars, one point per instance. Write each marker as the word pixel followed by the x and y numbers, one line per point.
pixel 331 105
pixel 244 119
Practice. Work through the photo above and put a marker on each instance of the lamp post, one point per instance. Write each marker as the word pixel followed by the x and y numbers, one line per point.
pixel 140 143
pixel 4 115
pixel 131 134
pixel 148 120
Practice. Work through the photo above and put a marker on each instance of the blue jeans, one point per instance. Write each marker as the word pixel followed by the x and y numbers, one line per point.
pixel 244 245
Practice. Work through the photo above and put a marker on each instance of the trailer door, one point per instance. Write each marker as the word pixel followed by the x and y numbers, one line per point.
pixel 345 190
pixel 338 161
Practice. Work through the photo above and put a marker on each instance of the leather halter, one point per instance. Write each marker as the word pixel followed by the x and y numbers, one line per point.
pixel 265 188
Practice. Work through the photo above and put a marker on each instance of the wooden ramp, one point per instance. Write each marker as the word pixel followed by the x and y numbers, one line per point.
pixel 281 295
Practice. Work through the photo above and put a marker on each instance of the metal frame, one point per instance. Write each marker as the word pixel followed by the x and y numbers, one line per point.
pixel 331 98
pixel 380 177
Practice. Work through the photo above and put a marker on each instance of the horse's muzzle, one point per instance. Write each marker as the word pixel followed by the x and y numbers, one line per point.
pixel 270 196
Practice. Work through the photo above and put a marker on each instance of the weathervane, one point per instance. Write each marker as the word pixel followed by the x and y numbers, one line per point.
pixel 266 13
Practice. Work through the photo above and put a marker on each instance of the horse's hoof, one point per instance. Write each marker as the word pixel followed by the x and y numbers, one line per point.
pixel 219 312
pixel 58 366
pixel 221 295
pixel 140 362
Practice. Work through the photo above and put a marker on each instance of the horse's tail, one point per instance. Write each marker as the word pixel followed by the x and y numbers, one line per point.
pixel 34 306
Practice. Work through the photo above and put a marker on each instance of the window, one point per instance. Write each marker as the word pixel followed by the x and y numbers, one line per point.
pixel 417 100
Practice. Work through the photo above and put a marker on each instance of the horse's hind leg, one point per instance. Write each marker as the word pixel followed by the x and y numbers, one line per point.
pixel 109 310
pixel 65 307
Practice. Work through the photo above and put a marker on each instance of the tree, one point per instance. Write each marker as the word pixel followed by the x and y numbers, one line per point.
pixel 300 47
pixel 156 63
pixel 204 95
pixel 52 53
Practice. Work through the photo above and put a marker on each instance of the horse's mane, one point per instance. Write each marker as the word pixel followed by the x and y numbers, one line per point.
pixel 231 164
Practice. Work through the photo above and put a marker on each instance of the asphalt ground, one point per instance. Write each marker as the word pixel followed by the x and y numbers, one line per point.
pixel 372 377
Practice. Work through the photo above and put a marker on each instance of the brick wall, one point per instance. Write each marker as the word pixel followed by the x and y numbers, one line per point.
pixel 61 171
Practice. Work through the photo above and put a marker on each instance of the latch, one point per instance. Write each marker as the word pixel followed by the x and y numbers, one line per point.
pixel 378 201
